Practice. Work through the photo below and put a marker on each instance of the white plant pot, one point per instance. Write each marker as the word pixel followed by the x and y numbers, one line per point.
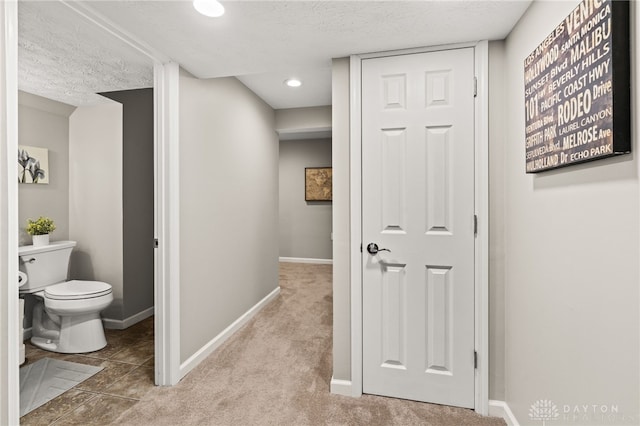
pixel 40 240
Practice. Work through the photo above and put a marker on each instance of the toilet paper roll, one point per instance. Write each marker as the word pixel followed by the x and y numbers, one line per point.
pixel 22 278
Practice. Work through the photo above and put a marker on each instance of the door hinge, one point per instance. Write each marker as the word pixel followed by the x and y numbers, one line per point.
pixel 475 359
pixel 475 86
pixel 475 225
pixel 155 243
pixel 360 247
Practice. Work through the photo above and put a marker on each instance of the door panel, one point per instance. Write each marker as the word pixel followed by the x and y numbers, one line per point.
pixel 418 202
pixel 438 320
pixel 394 320
pixel 393 172
pixel 438 179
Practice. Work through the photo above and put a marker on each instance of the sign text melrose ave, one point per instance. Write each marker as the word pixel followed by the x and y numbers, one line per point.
pixel 577 100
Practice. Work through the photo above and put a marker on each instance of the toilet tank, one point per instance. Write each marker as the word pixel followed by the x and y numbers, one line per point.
pixel 45 265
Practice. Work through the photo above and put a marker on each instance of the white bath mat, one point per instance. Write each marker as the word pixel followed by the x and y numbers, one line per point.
pixel 47 378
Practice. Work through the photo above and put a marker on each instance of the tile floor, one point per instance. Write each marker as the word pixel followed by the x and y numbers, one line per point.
pixel 127 376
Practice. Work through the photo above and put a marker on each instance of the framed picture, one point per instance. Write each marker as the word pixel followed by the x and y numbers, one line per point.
pixel 317 184
pixel 33 164
pixel 577 89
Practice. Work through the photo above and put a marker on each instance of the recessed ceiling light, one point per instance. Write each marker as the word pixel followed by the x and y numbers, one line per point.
pixel 293 82
pixel 211 8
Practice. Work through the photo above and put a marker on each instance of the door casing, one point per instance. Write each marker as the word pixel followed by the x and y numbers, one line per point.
pixel 481 133
pixel 9 305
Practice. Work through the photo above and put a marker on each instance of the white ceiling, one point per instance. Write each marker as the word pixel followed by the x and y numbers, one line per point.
pixel 63 57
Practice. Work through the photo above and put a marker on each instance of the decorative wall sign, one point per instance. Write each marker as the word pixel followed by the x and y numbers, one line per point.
pixel 577 89
pixel 33 164
pixel 318 184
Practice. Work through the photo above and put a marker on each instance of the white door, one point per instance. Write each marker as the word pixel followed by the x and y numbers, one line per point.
pixel 418 202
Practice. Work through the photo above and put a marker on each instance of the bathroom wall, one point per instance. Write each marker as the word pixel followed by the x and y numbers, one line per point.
pixel 95 198
pixel 305 226
pixel 45 123
pixel 228 206
pixel 137 199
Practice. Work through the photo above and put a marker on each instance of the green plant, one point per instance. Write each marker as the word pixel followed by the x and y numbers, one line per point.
pixel 42 226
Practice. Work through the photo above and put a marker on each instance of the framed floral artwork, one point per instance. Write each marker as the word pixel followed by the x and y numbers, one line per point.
pixel 33 164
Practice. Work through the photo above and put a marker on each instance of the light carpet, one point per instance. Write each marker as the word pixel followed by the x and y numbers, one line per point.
pixel 47 378
pixel 276 370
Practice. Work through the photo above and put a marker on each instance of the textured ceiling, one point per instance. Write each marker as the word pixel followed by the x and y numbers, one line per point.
pixel 64 57
pixel 261 42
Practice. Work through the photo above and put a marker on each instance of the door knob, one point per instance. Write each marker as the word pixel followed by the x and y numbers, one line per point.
pixel 372 248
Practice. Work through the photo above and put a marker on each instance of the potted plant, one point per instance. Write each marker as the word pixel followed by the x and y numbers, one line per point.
pixel 40 230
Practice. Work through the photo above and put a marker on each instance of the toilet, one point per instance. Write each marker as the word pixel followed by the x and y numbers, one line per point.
pixel 66 317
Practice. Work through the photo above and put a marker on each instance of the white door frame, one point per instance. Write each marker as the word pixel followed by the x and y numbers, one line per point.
pixel 9 305
pixel 167 224
pixel 481 53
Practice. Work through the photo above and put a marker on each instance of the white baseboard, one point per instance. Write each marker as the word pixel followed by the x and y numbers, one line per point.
pixel 215 343
pixel 127 322
pixel 501 409
pixel 306 260
pixel 109 323
pixel 341 387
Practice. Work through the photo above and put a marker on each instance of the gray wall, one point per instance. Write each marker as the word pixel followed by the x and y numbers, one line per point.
pixel 497 123
pixel 45 123
pixel 95 198
pixel 137 198
pixel 304 123
pixel 310 118
pixel 228 206
pixel 570 260
pixel 341 219
pixel 305 226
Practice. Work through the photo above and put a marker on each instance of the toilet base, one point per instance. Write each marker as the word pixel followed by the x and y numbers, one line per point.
pixel 54 346
pixel 68 334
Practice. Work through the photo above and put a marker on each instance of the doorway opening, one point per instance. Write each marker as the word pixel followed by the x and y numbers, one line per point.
pixel 164 79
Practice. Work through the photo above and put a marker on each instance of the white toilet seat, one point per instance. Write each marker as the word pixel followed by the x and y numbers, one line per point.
pixel 77 290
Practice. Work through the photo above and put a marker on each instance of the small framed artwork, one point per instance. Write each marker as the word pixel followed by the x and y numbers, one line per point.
pixel 317 184
pixel 33 164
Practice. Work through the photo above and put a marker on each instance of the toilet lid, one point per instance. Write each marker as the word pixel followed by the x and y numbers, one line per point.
pixel 72 290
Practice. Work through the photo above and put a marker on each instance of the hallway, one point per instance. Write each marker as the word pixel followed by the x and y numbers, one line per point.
pixel 277 369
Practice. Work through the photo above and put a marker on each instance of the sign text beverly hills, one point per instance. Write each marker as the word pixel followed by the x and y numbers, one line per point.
pixel 573 84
